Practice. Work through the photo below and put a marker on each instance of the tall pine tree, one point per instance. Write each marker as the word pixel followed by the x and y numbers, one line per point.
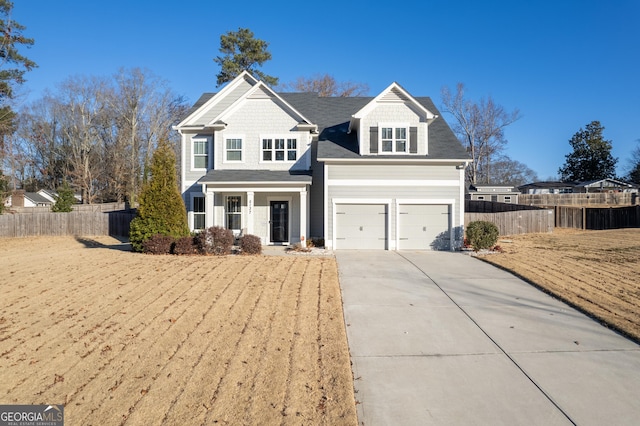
pixel 242 52
pixel 13 65
pixel 161 210
pixel 591 158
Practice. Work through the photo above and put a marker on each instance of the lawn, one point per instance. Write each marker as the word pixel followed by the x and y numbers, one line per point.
pixel 132 339
pixel 596 271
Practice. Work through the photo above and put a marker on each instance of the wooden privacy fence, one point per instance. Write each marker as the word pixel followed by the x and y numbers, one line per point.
pixel 72 223
pixel 597 218
pixel 516 222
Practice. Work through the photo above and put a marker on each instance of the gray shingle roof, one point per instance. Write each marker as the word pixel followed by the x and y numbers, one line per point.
pixel 256 176
pixel 333 114
pixel 36 198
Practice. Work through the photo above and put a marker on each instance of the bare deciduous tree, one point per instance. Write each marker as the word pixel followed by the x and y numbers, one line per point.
pixel 99 133
pixel 480 128
pixel 326 86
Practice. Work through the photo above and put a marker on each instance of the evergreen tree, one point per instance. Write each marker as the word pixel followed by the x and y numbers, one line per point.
pixel 64 200
pixel 12 64
pixel 4 190
pixel 161 210
pixel 634 171
pixel 242 52
pixel 591 158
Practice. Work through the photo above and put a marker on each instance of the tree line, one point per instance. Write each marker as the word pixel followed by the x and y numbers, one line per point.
pixel 98 134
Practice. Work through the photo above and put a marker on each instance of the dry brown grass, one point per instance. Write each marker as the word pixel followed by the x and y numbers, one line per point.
pixel 597 271
pixel 124 338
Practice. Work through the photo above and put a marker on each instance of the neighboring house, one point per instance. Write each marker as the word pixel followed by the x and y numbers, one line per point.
pixel 48 194
pixel 499 193
pixel 381 172
pixel 547 188
pixel 605 185
pixel 595 186
pixel 20 198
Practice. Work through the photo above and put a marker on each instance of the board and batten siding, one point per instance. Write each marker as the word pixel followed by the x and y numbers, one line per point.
pixel 427 184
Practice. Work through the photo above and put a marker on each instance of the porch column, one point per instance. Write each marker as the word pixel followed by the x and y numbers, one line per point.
pixel 303 217
pixel 209 205
pixel 250 209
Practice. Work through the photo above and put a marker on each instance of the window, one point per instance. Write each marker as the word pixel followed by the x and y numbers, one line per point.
pixel 234 213
pixel 279 149
pixel 200 154
pixel 393 139
pixel 198 213
pixel 234 149
pixel 507 198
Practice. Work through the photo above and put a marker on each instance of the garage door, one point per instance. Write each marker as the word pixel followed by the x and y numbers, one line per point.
pixel 423 227
pixel 361 226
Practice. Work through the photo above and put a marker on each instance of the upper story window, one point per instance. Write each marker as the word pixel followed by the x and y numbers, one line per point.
pixel 200 153
pixel 279 149
pixel 233 149
pixel 393 139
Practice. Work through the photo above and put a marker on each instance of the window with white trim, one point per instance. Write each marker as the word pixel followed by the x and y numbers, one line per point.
pixel 200 153
pixel 394 139
pixel 233 149
pixel 198 213
pixel 279 149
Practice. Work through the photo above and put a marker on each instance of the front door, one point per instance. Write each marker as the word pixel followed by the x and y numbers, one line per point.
pixel 279 221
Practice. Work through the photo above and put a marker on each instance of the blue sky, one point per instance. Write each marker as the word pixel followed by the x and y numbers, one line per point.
pixel 561 63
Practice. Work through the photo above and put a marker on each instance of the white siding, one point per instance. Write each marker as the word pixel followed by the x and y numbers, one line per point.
pixel 393 113
pixel 255 119
pixel 398 184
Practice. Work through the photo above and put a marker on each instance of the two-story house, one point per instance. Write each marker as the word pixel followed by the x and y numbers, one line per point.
pixel 360 172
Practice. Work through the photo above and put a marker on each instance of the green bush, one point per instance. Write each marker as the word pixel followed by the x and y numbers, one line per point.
pixel 482 234
pixel 250 244
pixel 215 240
pixel 64 200
pixel 161 210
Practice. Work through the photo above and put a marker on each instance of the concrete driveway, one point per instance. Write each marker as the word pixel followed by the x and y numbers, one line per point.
pixel 445 339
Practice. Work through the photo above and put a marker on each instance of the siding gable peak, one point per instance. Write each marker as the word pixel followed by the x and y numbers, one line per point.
pixel 243 82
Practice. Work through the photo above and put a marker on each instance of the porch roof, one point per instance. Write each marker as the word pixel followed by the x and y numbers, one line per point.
pixel 256 176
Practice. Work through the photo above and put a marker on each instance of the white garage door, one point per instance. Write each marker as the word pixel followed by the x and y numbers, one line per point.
pixel 423 227
pixel 361 226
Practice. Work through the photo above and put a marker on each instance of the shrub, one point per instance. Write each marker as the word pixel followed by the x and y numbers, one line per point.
pixel 215 240
pixel 482 234
pixel 185 246
pixel 315 242
pixel 250 244
pixel 161 209
pixel 64 200
pixel 158 244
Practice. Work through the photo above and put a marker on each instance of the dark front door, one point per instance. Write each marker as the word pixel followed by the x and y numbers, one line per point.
pixel 279 221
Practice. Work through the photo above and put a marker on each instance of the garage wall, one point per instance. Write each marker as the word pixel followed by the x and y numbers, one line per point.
pixel 425 184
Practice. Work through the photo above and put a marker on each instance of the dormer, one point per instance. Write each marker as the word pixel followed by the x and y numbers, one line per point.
pixel 393 123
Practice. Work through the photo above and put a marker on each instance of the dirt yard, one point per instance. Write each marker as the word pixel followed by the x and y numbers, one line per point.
pixel 597 271
pixel 124 338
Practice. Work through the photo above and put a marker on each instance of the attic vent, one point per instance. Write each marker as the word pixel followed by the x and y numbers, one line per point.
pixel 394 95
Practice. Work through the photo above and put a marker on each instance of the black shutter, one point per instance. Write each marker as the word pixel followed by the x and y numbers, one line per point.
pixel 373 140
pixel 413 140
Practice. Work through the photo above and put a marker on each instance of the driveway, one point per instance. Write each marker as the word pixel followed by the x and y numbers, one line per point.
pixel 443 338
